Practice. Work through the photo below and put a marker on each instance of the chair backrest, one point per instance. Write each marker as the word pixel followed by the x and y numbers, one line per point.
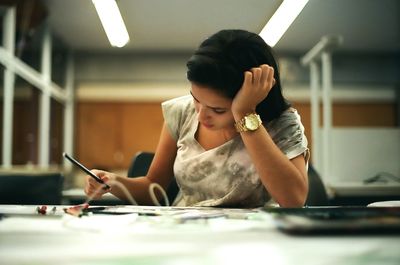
pixel 140 165
pixel 31 188
pixel 317 195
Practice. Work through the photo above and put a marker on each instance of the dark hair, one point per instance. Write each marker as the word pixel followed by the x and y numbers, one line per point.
pixel 222 59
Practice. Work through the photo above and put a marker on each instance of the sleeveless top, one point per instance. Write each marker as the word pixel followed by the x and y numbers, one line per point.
pixel 224 176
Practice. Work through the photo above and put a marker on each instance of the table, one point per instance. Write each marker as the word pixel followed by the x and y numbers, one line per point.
pixel 176 236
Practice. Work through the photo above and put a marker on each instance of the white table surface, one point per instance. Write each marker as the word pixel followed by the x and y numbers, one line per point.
pixel 241 237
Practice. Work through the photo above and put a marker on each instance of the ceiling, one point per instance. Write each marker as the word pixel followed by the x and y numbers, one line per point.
pixel 180 25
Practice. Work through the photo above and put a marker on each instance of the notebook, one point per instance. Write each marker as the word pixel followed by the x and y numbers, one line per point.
pixel 337 220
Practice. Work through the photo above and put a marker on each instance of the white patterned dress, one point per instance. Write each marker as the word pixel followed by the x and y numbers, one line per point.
pixel 224 176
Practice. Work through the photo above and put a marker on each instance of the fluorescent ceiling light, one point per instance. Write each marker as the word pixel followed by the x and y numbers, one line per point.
pixel 112 22
pixel 281 20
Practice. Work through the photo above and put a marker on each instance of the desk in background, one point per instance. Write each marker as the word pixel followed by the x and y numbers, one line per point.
pixel 177 237
pixel 78 196
pixel 359 193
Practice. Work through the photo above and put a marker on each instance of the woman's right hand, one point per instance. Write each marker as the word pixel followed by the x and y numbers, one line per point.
pixel 95 190
pixel 257 83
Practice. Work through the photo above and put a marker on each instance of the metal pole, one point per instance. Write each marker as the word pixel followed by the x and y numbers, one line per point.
pixel 44 118
pixel 69 111
pixel 315 117
pixel 327 112
pixel 9 82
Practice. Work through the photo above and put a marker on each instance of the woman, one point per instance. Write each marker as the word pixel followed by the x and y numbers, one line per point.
pixel 235 141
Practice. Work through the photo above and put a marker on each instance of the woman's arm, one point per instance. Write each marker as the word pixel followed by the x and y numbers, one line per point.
pixel 160 171
pixel 286 180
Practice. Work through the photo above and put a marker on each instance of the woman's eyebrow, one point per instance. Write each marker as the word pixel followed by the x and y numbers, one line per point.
pixel 217 108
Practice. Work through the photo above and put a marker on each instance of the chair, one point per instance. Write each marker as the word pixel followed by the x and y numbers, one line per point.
pixel 140 165
pixel 31 188
pixel 317 195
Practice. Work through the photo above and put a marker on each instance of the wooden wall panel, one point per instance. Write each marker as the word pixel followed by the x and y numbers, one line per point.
pixel 109 134
pixel 364 115
pixel 351 115
pixel 98 128
pixel 141 126
pixel 56 132
pixel 26 129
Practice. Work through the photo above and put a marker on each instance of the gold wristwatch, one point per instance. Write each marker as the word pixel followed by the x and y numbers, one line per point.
pixel 250 122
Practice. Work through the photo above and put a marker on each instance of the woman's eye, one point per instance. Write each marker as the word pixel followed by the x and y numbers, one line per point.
pixel 219 111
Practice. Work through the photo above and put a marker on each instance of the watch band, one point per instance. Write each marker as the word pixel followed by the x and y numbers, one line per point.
pixel 250 122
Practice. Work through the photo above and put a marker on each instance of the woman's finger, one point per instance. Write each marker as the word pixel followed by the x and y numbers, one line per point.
pixel 264 74
pixel 270 78
pixel 248 79
pixel 257 72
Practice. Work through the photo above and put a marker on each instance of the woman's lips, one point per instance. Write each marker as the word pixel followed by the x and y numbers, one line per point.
pixel 207 125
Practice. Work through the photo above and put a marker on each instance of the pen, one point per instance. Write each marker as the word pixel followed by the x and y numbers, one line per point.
pixel 87 171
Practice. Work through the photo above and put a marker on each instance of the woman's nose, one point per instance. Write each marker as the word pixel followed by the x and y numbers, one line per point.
pixel 203 112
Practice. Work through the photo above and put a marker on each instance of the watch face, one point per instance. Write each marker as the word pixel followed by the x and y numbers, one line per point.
pixel 251 122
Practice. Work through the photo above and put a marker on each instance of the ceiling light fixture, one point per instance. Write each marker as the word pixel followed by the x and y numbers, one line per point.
pixel 281 20
pixel 112 22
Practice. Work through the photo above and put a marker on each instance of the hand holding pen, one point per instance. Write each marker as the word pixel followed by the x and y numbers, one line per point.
pixel 96 179
pixel 93 189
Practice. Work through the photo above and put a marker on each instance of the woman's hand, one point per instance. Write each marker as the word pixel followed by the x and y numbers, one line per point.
pixel 257 83
pixel 95 190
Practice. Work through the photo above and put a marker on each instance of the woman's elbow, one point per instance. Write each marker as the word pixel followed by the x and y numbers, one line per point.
pixel 297 200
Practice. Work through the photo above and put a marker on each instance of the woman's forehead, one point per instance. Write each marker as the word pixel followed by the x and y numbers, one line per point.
pixel 209 95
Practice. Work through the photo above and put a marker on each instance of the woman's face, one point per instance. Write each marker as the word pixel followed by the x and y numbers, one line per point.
pixel 214 110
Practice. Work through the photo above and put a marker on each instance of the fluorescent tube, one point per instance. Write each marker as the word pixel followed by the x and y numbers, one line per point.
pixel 112 22
pixel 281 20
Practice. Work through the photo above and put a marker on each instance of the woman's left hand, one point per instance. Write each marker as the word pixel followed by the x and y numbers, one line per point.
pixel 257 83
